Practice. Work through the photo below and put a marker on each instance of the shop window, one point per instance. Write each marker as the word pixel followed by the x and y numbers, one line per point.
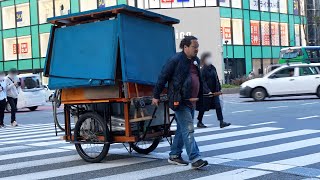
pixel 284 34
pixel 24 47
pixel 297 34
pixel 236 3
pixel 296 7
pixel 224 3
pixel 10 49
pixel 255 33
pixel 302 10
pixel 275 34
pixel 200 3
pixel 86 5
pixel 237 31
pixel 62 7
pixel 44 40
pixel 303 35
pixel 45 10
pixel 226 30
pixel 265 32
pixel 284 7
pixel 8 17
pixel 23 15
pixel 211 2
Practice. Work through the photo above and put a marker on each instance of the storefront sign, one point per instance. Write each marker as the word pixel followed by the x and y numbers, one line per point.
pixel 265 34
pixel 284 34
pixel 255 33
pixel 21 48
pixel 19 16
pixel 227 33
pixel 264 5
pixel 15 49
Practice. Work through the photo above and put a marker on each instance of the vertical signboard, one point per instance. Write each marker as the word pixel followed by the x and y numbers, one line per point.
pixel 284 34
pixel 255 33
pixel 265 29
pixel 275 34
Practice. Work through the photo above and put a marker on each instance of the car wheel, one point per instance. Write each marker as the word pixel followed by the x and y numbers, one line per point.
pixel 33 108
pixel 318 92
pixel 259 94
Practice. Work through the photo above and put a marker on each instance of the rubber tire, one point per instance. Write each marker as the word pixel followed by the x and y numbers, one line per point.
pixel 318 92
pixel 33 108
pixel 148 150
pixel 263 91
pixel 79 149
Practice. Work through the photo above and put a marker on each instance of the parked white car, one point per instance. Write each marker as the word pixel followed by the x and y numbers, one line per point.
pixel 49 92
pixel 31 93
pixel 287 80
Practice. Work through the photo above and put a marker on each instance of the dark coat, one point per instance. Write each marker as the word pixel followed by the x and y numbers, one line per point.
pixel 212 84
pixel 177 74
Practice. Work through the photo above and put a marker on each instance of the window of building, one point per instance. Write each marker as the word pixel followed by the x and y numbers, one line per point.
pixel 302 10
pixel 237 31
pixel 143 4
pixel 155 4
pixel 275 34
pixel 23 15
pixel 255 33
pixel 236 3
pixel 296 7
pixel 200 3
pixel 211 2
pixel 264 5
pixel 284 34
pixel 86 5
pixel 283 7
pixel 303 35
pixel 45 10
pixel 224 3
pixel 24 46
pixel 176 4
pixel 297 34
pixel 165 4
pixel 8 17
pixel 10 49
pixel 106 3
pixel 44 40
pixel 226 30
pixel 62 7
pixel 254 4
pixel 274 5
pixel 265 32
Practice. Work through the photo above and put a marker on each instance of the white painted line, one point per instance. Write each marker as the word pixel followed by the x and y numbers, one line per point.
pixel 147 173
pixel 24 131
pixel 242 111
pixel 213 160
pixel 272 167
pixel 309 103
pixel 78 169
pixel 277 107
pixel 50 143
pixel 309 117
pixel 26 135
pixel 301 160
pixel 31 140
pixel 271 122
pixel 13 148
pixel 20 165
pixel 31 153
pixel 208 115
pixel 238 174
pixel 47 134
pixel 272 149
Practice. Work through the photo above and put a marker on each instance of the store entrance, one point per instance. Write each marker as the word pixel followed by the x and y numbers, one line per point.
pixel 236 68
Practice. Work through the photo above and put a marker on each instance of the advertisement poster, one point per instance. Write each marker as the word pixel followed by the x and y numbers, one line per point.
pixel 275 34
pixel 255 33
pixel 101 4
pixel 284 34
pixel 19 16
pixel 265 28
pixel 264 5
pixel 15 49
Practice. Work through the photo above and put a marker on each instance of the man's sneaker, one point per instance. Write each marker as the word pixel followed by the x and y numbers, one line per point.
pixel 201 125
pixel 224 124
pixel 178 161
pixel 14 124
pixel 199 164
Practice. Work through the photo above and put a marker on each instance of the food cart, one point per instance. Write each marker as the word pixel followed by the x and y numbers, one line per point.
pixel 106 63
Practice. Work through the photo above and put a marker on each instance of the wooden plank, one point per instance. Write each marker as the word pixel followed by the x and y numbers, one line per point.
pixel 122 139
pixel 141 119
pixel 126 118
pixel 121 100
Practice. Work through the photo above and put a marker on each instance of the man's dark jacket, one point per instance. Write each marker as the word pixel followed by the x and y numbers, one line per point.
pixel 177 74
pixel 212 84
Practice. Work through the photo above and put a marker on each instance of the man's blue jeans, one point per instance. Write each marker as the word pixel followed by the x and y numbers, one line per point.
pixel 184 135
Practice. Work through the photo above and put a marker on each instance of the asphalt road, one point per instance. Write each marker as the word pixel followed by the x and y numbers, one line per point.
pixel 274 139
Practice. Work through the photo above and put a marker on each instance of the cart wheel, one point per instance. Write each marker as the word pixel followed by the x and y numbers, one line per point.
pixel 145 147
pixel 89 131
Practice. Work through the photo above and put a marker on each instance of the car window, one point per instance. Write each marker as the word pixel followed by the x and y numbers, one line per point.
pixel 307 71
pixel 283 73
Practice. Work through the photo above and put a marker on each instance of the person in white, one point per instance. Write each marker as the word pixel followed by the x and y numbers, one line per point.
pixel 13 84
pixel 3 96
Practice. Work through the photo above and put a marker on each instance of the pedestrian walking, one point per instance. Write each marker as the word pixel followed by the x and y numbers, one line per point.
pixel 182 73
pixel 212 86
pixel 13 83
pixel 3 96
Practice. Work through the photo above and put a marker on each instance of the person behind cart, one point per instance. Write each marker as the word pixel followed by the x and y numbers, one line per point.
pixel 13 83
pixel 3 96
pixel 182 73
pixel 212 87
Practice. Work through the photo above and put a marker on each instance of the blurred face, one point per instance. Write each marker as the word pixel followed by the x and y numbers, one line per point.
pixel 208 61
pixel 192 50
pixel 2 75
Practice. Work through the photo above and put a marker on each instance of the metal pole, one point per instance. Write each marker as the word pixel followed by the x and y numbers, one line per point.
pixel 227 66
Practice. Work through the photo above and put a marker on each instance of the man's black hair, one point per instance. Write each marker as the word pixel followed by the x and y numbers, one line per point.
pixel 186 41
pixel 204 56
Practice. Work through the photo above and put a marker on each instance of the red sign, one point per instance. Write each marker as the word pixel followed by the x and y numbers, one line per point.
pixel 255 33
pixel 15 49
pixel 227 33
pixel 266 34
pixel 24 48
pixel 284 36
pixel 167 1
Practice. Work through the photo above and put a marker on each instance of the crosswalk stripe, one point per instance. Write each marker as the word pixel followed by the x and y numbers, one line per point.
pixel 238 174
pixel 28 137
pixel 24 135
pixel 41 162
pixel 230 134
pixel 19 132
pixel 79 169
pixel 31 140
pixel 272 149
pixel 48 143
pixel 13 148
pixel 31 153
pixel 147 173
pixel 9 128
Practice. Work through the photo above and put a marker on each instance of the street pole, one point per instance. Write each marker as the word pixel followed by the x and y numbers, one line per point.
pixel 227 62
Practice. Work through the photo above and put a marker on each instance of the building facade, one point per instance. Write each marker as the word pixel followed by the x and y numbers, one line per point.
pixel 255 30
